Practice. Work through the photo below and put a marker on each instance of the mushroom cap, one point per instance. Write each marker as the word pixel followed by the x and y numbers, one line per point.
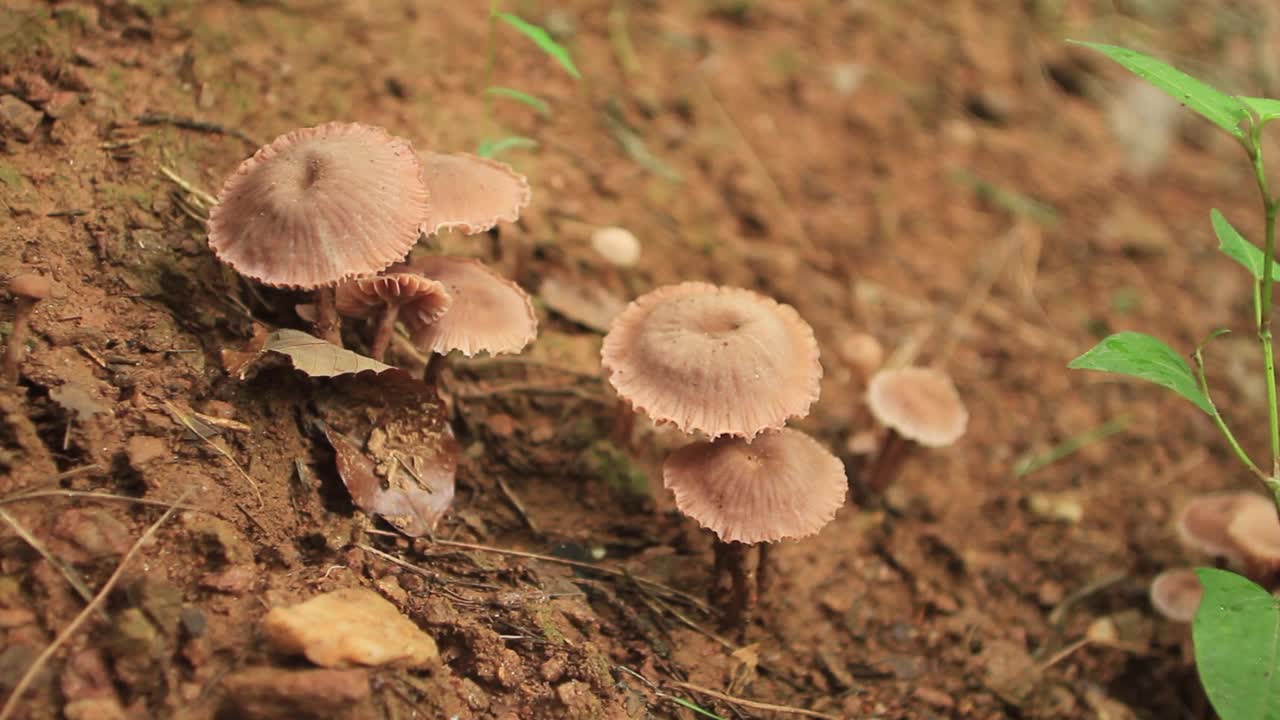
pixel 471 193
pixel 783 484
pixel 1204 521
pixel 617 245
pixel 861 352
pixel 716 360
pixel 320 205
pixel 1176 594
pixel 421 300
pixel 921 404
pixel 1255 530
pixel 32 286
pixel 489 313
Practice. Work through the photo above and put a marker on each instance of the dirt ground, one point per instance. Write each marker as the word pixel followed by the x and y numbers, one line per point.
pixel 950 177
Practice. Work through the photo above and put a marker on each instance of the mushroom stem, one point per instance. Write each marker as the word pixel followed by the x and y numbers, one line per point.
pixel 888 462
pixel 328 324
pixel 386 328
pixel 17 347
pixel 764 578
pixel 738 606
pixel 624 423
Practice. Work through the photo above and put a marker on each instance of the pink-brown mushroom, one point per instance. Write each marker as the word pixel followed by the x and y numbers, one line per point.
pixel 919 406
pixel 27 290
pixel 1204 521
pixel 471 193
pixel 418 300
pixel 715 360
pixel 1176 594
pixel 1255 532
pixel 489 313
pixel 318 206
pixel 782 484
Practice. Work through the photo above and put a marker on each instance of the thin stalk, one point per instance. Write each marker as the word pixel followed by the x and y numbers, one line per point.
pixel 1263 314
pixel 1226 431
pixel 490 59
pixel 386 328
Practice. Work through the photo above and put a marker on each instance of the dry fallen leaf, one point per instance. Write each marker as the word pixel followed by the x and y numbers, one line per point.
pixel 311 355
pixel 78 401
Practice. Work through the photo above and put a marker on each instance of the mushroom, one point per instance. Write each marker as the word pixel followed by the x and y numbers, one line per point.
pixel 715 360
pixel 1255 532
pixel 27 289
pixel 318 206
pixel 782 484
pixel 863 353
pixel 1203 525
pixel 919 406
pixel 1176 594
pixel 418 300
pixel 489 313
pixel 471 193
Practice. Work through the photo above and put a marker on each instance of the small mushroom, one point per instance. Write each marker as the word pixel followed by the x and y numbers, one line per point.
pixel 863 353
pixel 489 313
pixel 1176 594
pixel 418 300
pixel 1255 532
pixel 471 193
pixel 782 484
pixel 616 245
pixel 27 289
pixel 318 206
pixel 919 406
pixel 715 360
pixel 1204 521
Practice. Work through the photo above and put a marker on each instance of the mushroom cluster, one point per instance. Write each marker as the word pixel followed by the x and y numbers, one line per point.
pixel 1239 528
pixel 329 208
pixel 732 366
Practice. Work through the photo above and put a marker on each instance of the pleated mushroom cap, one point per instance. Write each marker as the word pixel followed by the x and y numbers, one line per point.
pixel 1176 594
pixel 471 193
pixel 921 404
pixel 421 300
pixel 1202 524
pixel 320 205
pixel 783 484
pixel 1255 531
pixel 715 360
pixel 489 312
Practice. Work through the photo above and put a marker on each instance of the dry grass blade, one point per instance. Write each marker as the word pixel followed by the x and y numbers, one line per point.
pixel 58 492
pixel 11 704
pixel 189 423
pixel 753 704
pixel 72 577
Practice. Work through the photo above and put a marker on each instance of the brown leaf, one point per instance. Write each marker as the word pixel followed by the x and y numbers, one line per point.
pixel 78 401
pixel 307 353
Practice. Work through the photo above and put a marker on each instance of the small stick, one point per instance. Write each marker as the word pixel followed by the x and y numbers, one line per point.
pixel 519 506
pixel 29 676
pixel 67 572
pixel 33 494
pixel 203 126
pixel 754 704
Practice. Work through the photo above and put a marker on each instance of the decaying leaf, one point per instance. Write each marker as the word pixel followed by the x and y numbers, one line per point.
pixel 589 305
pixel 77 401
pixel 404 468
pixel 311 355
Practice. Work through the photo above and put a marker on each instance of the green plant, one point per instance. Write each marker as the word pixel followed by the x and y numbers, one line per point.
pixel 1238 623
pixel 546 43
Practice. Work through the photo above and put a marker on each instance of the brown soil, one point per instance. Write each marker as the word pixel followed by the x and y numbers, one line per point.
pixel 733 142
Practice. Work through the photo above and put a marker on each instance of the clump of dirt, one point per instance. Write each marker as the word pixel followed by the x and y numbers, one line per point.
pixel 947 179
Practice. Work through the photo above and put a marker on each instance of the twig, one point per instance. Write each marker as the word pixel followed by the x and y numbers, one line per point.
pixel 519 506
pixel 189 424
pixel 29 676
pixel 203 126
pixel 67 572
pixel 203 197
pixel 754 705
pixel 33 494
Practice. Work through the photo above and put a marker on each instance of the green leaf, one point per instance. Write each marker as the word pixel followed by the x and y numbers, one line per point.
pixel 494 148
pixel 1233 245
pixel 544 41
pixel 1265 108
pixel 1216 106
pixel 1146 358
pixel 536 103
pixel 1237 641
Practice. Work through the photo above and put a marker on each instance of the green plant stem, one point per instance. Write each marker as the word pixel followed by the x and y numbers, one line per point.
pixel 1226 431
pixel 1263 313
pixel 490 58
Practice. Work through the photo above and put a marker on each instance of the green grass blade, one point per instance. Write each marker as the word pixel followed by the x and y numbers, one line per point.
pixel 1233 245
pixel 1237 641
pixel 1146 358
pixel 544 41
pixel 1214 105
pixel 1265 108
pixel 494 148
pixel 536 103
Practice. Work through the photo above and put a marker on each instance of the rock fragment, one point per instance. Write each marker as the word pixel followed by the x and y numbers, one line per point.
pixel 353 626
